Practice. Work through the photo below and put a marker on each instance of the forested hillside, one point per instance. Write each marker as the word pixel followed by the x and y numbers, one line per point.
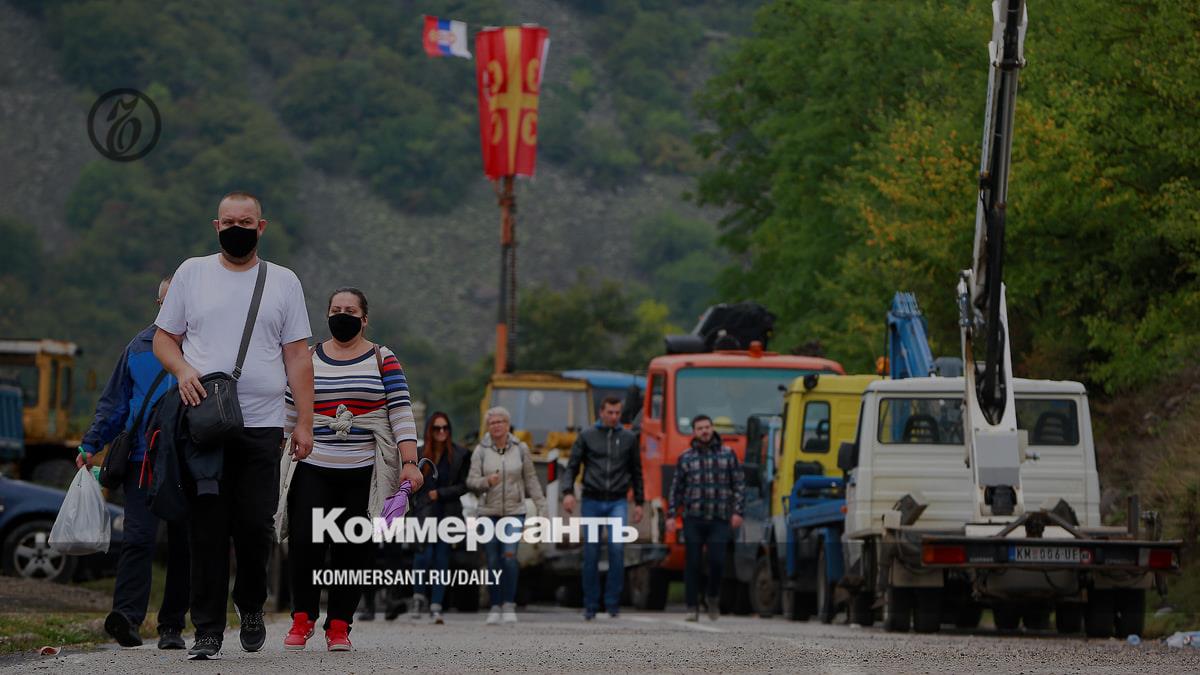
pixel 365 152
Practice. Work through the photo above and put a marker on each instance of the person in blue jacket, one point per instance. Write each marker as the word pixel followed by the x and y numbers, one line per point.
pixel 123 397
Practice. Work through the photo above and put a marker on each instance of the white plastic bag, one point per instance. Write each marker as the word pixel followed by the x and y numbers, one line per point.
pixel 82 525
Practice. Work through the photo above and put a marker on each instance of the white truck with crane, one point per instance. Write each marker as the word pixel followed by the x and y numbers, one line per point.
pixel 931 539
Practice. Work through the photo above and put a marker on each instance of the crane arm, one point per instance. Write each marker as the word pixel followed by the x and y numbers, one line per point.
pixel 994 451
pixel 908 342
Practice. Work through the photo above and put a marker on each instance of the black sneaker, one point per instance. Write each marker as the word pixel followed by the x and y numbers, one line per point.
pixel 117 625
pixel 170 638
pixel 205 647
pixel 254 631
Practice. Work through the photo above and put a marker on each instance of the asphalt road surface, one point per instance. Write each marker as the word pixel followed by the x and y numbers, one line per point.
pixel 556 640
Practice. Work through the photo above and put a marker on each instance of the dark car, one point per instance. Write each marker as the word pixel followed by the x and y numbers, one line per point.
pixel 27 512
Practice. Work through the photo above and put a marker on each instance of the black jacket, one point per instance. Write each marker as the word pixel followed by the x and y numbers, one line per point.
pixel 449 488
pixel 181 469
pixel 612 461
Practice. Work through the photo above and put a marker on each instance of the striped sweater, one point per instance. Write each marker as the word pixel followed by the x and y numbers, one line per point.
pixel 357 384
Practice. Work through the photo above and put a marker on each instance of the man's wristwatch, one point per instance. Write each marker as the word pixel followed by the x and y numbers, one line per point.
pixel 409 461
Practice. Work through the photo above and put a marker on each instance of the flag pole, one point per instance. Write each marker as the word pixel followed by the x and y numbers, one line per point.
pixel 506 321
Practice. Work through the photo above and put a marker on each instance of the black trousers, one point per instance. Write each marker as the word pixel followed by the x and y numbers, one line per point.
pixel 135 566
pixel 244 511
pixel 698 533
pixel 315 487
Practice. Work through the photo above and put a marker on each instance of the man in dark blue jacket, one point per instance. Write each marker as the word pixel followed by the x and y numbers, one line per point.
pixel 126 393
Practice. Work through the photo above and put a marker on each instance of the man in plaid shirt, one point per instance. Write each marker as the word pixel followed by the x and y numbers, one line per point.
pixel 707 492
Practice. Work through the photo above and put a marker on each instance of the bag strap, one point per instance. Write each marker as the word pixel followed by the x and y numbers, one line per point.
pixel 137 421
pixel 251 316
pixel 379 364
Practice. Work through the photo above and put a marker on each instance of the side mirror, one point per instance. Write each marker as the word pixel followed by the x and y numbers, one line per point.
pixel 633 404
pixel 847 456
pixel 751 476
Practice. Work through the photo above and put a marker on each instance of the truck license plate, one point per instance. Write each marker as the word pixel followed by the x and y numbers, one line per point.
pixel 1046 554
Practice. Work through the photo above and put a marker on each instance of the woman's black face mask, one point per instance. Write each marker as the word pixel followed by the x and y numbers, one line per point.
pixel 343 327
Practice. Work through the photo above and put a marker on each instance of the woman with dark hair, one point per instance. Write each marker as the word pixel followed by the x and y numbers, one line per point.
pixel 364 445
pixel 438 499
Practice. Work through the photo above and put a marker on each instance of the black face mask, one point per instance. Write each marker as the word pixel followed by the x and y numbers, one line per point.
pixel 343 327
pixel 238 241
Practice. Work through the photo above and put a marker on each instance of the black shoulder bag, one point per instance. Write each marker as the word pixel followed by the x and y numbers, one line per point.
pixel 116 460
pixel 219 414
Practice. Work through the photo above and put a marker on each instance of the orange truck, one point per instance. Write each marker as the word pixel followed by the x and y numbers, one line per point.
pixel 728 385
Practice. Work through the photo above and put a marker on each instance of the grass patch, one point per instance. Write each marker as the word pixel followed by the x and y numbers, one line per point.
pixel 675 592
pixel 1146 445
pixel 28 631
pixel 1183 597
pixel 106 585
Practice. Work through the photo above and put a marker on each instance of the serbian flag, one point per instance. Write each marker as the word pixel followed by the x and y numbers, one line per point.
pixel 508 71
pixel 443 37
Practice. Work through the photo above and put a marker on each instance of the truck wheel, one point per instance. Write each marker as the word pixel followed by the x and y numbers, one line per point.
pixel 1036 616
pixel 735 597
pixel 27 554
pixel 1007 616
pixel 1068 617
pixel 825 606
pixel 861 610
pixel 647 587
pixel 466 598
pixel 569 594
pixel 1130 605
pixel 927 616
pixel 969 614
pixel 764 589
pixel 1098 618
pixel 793 605
pixel 897 609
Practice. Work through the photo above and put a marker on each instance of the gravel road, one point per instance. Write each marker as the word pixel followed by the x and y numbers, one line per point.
pixel 553 640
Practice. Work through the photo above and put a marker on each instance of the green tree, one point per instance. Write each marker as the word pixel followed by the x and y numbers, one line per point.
pixel 850 174
pixel 589 325
pixel 680 259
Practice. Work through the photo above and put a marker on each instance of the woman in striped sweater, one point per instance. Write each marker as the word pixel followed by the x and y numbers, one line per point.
pixel 362 415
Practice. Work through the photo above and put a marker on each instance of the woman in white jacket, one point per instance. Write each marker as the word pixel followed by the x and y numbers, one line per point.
pixel 502 474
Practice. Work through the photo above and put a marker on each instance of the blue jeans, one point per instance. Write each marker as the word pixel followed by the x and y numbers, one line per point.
pixel 592 508
pixel 502 558
pixel 435 556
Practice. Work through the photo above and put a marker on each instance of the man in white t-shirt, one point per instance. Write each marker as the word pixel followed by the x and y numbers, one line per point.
pixel 199 332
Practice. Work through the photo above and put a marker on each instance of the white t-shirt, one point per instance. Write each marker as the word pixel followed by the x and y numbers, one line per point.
pixel 207 305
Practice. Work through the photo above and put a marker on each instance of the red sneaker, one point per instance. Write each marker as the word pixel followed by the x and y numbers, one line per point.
pixel 302 629
pixel 337 636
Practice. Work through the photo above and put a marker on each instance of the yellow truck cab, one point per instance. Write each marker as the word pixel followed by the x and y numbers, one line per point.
pixel 820 412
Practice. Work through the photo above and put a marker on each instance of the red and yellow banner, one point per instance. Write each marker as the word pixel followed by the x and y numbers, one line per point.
pixel 508 71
